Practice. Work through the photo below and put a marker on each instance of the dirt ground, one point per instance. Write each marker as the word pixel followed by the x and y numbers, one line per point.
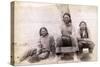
pixel 84 57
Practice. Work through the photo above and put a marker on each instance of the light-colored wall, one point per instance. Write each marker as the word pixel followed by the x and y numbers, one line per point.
pixel 30 18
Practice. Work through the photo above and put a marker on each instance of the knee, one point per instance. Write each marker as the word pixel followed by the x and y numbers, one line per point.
pixel 91 45
pixel 58 42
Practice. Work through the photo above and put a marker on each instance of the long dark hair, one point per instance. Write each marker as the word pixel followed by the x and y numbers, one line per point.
pixel 44 29
pixel 86 29
pixel 67 15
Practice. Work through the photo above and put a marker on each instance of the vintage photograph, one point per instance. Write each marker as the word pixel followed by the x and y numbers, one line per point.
pixel 49 33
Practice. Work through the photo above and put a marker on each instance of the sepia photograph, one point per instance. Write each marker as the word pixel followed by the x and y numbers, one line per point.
pixel 53 33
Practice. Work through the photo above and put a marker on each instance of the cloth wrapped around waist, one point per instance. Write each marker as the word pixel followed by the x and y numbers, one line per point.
pixel 66 41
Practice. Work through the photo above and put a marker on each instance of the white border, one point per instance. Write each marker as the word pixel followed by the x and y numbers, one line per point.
pixel 5 32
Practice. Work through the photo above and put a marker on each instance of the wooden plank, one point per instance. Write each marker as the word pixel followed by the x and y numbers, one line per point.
pixel 65 49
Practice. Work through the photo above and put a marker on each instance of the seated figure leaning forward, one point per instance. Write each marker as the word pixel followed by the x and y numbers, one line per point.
pixel 67 39
pixel 84 38
pixel 46 47
pixel 46 44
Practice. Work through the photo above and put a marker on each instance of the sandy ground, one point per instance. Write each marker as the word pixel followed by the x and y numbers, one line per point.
pixel 20 50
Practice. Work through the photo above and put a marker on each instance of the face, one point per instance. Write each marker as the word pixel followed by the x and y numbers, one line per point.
pixel 43 32
pixel 82 25
pixel 66 19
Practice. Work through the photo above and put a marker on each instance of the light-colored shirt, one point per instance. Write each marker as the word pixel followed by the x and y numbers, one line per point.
pixel 68 30
pixel 79 36
pixel 46 41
